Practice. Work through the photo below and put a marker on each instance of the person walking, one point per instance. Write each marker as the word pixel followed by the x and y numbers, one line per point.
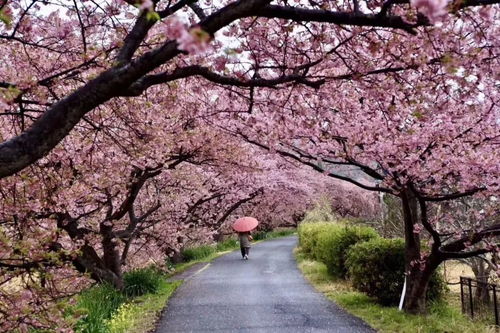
pixel 245 238
pixel 243 226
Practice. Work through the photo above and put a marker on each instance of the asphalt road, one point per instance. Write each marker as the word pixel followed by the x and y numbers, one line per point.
pixel 267 293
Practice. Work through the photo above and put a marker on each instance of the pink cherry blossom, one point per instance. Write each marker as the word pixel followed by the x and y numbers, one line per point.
pixel 194 40
pixel 146 5
pixel 435 10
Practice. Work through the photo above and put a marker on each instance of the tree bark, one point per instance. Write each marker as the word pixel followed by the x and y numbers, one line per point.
pixel 481 273
pixel 89 262
pixel 111 256
pixel 415 292
pixel 417 282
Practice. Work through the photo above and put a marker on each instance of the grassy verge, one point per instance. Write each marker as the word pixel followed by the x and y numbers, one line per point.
pixel 141 314
pixel 181 267
pixel 442 317
pixel 273 234
pixel 104 309
pixel 204 253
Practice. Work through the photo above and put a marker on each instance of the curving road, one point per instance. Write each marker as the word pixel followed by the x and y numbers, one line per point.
pixel 264 294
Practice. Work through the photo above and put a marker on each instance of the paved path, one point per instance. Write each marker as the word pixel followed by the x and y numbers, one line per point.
pixel 264 294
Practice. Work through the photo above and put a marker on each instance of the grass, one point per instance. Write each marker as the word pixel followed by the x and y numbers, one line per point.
pixel 105 309
pixel 198 252
pixel 228 244
pixel 181 267
pixel 142 281
pixel 442 317
pixel 97 304
pixel 261 235
pixel 141 314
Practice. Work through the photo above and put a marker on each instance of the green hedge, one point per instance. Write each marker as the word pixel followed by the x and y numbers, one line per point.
pixel 333 244
pixel 308 235
pixel 376 267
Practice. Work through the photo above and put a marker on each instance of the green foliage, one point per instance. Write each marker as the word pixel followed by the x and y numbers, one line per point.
pixel 107 310
pixel 5 18
pixel 261 235
pixel 197 253
pixel 140 315
pixel 153 16
pixel 97 304
pixel 333 244
pixel 228 244
pixel 280 233
pixel 441 318
pixel 376 267
pixel 205 252
pixel 437 287
pixel 322 212
pixel 141 281
pixel 308 235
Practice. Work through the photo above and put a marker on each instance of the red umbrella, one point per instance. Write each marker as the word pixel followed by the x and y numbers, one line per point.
pixel 245 224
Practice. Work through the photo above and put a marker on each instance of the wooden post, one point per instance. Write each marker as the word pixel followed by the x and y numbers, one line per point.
pixel 495 303
pixel 469 280
pixel 462 294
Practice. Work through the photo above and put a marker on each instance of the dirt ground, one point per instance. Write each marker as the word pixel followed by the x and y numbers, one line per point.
pixel 452 271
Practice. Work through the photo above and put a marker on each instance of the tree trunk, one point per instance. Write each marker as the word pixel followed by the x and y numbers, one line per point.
pixel 89 262
pixel 481 273
pixel 416 280
pixel 417 283
pixel 111 257
pixel 418 270
pixel 218 236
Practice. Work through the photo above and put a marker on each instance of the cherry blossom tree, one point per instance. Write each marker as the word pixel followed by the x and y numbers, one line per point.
pixel 112 196
pixel 65 59
pixel 429 140
pixel 120 93
pixel 127 189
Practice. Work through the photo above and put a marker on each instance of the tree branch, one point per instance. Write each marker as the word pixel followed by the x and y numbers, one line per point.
pixel 238 204
pixel 452 196
pixel 453 249
pixel 48 130
pixel 318 167
pixel 183 72
pixel 340 18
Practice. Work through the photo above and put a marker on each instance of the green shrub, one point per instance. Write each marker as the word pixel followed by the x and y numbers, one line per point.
pixel 228 244
pixel 308 235
pixel 333 244
pixel 322 212
pixel 97 304
pixel 141 281
pixel 259 235
pixel 197 253
pixel 280 233
pixel 377 267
